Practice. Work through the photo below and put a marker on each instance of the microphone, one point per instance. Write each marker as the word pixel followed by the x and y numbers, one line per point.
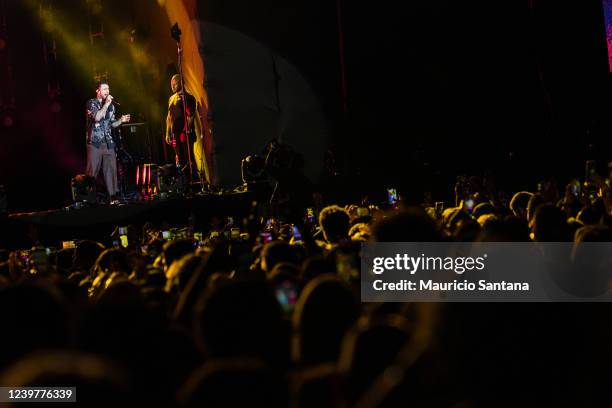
pixel 113 100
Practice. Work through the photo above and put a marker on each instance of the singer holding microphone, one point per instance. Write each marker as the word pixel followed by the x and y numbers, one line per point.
pixel 100 144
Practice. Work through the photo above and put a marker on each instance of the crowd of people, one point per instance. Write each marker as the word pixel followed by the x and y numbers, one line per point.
pixel 262 312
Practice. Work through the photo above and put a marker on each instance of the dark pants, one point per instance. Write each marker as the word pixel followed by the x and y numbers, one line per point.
pixel 106 158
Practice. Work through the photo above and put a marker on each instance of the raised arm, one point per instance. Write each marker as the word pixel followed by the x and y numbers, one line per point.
pixel 99 115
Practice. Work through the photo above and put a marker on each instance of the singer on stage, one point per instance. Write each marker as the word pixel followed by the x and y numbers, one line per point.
pixel 100 144
pixel 188 148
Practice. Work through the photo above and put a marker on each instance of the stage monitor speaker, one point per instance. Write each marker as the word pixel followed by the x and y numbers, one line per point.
pixel 83 189
pixel 169 180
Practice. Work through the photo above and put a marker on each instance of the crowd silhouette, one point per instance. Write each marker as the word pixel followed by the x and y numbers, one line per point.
pixel 266 311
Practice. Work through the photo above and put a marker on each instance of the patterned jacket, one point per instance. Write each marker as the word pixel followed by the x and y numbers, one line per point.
pixel 99 132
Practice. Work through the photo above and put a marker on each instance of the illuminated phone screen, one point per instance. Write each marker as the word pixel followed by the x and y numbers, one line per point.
pixel 392 196
pixel 124 241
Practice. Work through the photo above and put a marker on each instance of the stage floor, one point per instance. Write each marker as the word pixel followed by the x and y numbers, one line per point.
pixel 49 228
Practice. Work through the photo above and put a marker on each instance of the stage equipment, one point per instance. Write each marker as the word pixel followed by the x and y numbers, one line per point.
pixel 253 172
pixel 83 189
pixel 136 139
pixel 135 151
pixel 169 181
pixel 146 186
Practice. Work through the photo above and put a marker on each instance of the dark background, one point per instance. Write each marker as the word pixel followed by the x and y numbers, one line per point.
pixel 435 89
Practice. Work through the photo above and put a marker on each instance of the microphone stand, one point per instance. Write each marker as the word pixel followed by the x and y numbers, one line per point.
pixel 123 156
pixel 175 32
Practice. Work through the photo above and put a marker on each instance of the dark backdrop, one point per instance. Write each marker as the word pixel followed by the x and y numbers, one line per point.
pixel 435 89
